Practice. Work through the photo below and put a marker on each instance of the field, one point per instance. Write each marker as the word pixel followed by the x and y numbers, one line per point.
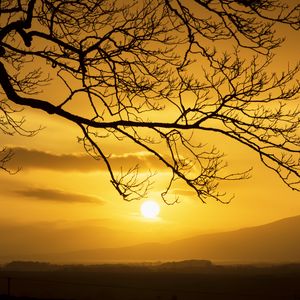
pixel 133 283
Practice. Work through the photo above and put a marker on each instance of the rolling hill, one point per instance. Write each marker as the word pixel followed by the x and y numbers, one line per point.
pixel 277 242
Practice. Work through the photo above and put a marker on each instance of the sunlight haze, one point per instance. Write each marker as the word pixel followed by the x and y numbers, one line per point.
pixel 62 199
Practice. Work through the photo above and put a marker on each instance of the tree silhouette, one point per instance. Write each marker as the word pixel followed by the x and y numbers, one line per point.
pixel 5 156
pixel 10 125
pixel 163 75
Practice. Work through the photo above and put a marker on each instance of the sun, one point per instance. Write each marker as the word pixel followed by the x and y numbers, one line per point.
pixel 150 209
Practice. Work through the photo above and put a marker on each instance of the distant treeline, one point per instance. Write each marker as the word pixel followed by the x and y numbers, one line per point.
pixel 143 266
pixel 185 266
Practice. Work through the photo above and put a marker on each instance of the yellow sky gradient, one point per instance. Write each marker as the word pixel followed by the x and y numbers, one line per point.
pixel 258 200
pixel 86 212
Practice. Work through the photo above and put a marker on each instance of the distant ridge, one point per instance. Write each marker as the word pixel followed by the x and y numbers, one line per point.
pixel 276 242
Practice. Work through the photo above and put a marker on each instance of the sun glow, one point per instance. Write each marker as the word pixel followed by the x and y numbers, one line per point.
pixel 150 209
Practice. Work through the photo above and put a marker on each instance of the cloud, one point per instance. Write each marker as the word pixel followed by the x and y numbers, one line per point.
pixel 36 159
pixel 57 195
pixel 28 159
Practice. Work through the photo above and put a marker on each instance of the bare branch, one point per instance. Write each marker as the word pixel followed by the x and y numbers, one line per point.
pixel 164 75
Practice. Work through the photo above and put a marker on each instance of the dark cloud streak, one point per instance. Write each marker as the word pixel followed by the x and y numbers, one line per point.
pixel 28 159
pixel 35 159
pixel 57 196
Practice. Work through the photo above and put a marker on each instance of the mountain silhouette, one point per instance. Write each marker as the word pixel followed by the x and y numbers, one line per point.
pixel 276 242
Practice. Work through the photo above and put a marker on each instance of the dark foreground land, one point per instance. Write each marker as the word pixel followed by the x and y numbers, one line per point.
pixel 165 282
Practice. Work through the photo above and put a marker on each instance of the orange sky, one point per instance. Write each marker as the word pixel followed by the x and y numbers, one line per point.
pixel 61 197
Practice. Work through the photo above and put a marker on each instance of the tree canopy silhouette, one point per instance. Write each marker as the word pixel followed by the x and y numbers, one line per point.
pixel 161 74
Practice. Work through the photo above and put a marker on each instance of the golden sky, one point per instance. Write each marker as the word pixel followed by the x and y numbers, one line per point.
pixel 63 200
